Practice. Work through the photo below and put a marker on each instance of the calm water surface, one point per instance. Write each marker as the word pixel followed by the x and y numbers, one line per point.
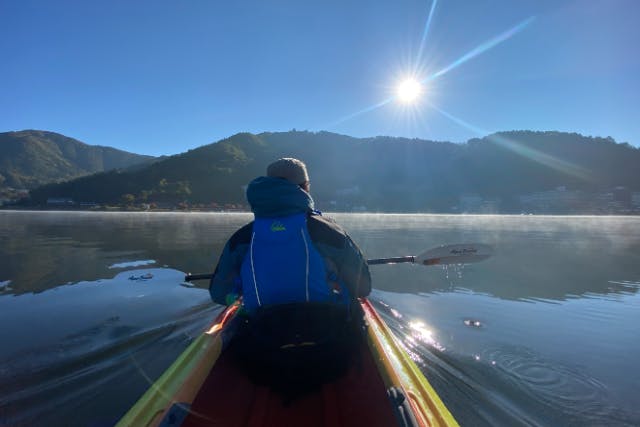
pixel 93 309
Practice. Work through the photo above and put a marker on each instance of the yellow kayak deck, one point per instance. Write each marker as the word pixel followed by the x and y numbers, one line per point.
pixel 203 387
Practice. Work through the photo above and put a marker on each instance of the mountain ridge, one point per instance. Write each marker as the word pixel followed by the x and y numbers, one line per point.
pixel 378 173
pixel 30 158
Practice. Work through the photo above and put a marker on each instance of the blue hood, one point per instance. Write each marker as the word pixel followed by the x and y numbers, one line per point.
pixel 271 197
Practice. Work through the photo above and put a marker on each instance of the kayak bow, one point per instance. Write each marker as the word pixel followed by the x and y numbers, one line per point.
pixel 202 388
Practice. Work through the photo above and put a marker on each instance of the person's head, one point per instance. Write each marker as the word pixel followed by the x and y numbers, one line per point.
pixel 290 169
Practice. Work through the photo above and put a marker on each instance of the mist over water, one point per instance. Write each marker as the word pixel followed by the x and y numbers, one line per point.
pixel 544 332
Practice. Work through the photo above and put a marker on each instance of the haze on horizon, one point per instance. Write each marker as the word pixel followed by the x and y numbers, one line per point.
pixel 163 77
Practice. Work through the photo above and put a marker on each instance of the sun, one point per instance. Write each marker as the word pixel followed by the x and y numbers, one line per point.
pixel 409 90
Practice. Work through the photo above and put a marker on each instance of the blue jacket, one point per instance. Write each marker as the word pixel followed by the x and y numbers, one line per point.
pixel 273 199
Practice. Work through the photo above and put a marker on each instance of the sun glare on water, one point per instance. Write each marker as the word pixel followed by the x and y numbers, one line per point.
pixel 409 90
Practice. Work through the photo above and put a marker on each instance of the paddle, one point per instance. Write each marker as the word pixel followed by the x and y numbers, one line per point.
pixel 466 253
pixel 442 255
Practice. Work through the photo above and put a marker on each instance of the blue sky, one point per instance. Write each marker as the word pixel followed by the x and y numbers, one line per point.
pixel 161 77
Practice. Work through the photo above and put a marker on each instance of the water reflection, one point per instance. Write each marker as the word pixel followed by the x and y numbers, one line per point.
pixel 535 257
pixel 557 304
pixel 529 364
pixel 82 352
pixel 41 250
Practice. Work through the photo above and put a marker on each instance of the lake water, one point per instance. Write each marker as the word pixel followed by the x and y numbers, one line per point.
pixel 545 332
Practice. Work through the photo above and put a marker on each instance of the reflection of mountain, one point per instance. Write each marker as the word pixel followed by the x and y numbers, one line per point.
pixel 43 251
pixel 30 158
pixel 553 275
pixel 555 258
pixel 535 257
pixel 382 173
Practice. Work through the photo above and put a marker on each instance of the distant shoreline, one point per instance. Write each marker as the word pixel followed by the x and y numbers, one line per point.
pixel 484 214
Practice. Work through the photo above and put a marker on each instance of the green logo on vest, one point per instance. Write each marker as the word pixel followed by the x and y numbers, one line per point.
pixel 277 226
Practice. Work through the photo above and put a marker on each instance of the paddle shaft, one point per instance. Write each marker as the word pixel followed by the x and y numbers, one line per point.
pixel 204 276
pixel 446 254
pixel 376 261
pixel 394 260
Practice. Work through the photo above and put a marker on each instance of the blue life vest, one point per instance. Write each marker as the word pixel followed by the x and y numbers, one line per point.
pixel 283 266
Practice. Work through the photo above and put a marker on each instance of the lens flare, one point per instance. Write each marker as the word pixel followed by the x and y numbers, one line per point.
pixel 480 49
pixel 521 149
pixel 423 41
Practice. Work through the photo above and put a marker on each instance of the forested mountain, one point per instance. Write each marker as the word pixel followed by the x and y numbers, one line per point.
pixel 31 158
pixel 381 173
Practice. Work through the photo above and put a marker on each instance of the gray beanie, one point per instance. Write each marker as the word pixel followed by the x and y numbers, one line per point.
pixel 288 168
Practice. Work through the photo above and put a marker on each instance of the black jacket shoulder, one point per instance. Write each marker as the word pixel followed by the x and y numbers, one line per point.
pixel 325 230
pixel 241 236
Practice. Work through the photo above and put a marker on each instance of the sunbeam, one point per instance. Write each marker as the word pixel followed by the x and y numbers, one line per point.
pixel 518 148
pixel 363 111
pixel 461 122
pixel 482 48
pixel 426 32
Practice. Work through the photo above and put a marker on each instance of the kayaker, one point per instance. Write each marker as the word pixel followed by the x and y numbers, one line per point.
pixel 299 275
pixel 290 253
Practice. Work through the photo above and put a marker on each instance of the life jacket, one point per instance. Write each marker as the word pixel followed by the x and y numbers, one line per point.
pixel 282 266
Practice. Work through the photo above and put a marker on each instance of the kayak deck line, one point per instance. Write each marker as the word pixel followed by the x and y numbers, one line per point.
pixel 182 380
pixel 204 386
pixel 402 372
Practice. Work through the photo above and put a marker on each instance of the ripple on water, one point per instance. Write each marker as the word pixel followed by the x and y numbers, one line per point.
pixel 110 360
pixel 568 390
pixel 509 385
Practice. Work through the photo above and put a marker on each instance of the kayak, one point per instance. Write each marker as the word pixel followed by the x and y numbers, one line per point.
pixel 204 387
